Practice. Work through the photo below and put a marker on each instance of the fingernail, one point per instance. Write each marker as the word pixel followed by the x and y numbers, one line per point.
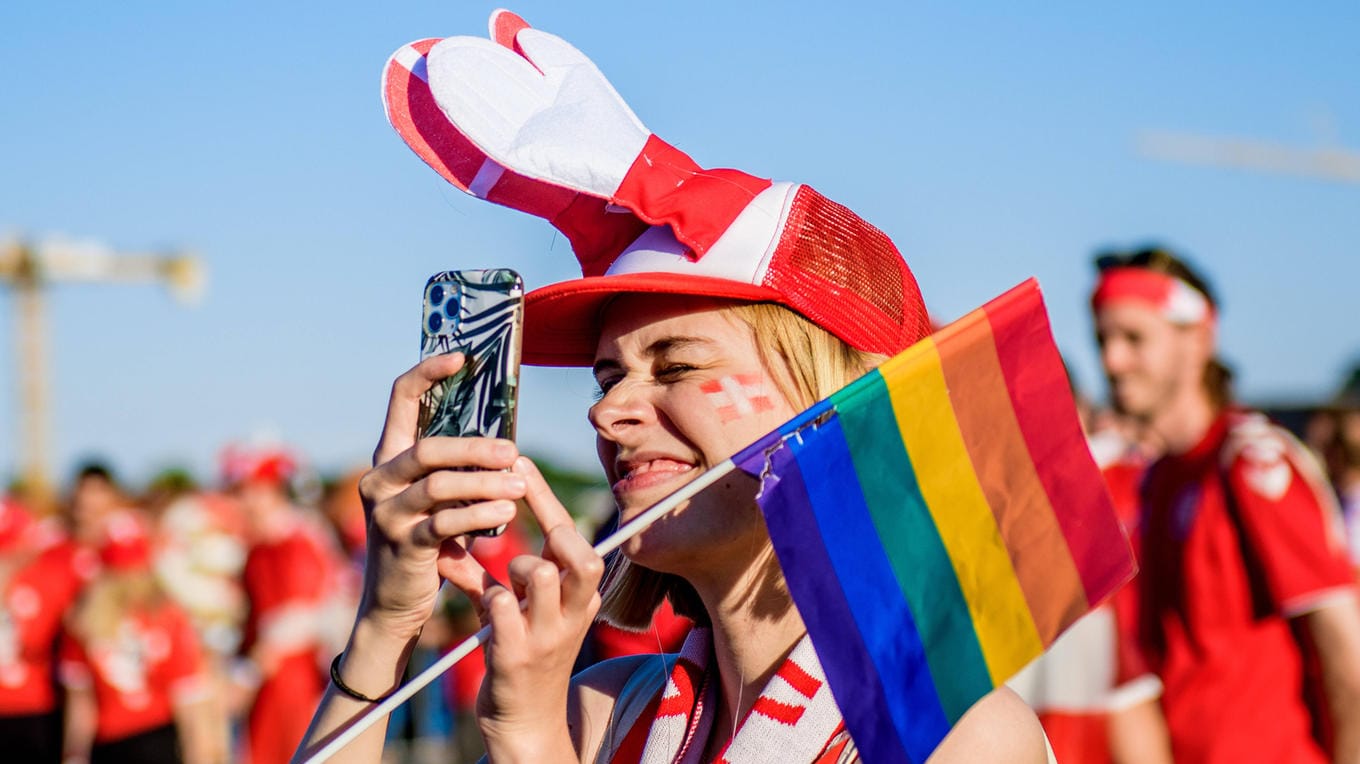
pixel 505 451
pixel 516 483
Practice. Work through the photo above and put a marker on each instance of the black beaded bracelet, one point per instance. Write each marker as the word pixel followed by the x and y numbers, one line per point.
pixel 346 689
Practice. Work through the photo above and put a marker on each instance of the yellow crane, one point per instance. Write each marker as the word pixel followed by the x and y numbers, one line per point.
pixel 28 270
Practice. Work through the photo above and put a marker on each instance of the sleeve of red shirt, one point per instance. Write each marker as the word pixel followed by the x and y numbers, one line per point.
pixel 1291 521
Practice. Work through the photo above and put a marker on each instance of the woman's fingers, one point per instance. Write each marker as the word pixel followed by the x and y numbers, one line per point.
pixel 444 524
pixel 548 511
pixel 581 565
pixel 539 582
pixel 403 407
pixel 457 566
pixel 562 543
pixel 435 464
pixel 502 611
pixel 564 585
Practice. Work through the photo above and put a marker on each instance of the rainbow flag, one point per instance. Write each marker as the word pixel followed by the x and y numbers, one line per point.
pixel 940 521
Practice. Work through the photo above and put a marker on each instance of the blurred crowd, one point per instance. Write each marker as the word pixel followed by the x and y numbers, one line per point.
pixel 197 624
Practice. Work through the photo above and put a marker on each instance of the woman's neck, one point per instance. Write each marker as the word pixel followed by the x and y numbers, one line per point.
pixel 755 626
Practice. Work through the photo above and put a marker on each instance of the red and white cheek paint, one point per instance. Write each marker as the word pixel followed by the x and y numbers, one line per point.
pixel 738 395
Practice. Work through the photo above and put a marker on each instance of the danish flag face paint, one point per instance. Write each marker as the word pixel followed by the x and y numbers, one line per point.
pixel 737 396
pixel 1175 300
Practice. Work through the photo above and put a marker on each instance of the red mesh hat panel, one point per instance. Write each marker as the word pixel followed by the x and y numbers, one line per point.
pixel 847 276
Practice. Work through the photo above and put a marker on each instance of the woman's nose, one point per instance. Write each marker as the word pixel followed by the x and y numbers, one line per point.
pixel 624 405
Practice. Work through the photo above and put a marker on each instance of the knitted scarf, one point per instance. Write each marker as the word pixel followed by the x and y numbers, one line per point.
pixel 795 718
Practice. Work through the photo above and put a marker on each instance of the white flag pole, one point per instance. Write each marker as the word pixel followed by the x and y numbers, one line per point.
pixel 615 540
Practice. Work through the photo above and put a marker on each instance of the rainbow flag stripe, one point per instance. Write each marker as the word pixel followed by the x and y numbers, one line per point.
pixel 960 523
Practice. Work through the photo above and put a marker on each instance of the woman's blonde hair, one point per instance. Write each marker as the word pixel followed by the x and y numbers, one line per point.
pixel 110 599
pixel 807 363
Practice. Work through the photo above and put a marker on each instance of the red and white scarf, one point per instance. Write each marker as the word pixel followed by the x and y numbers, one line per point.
pixel 794 716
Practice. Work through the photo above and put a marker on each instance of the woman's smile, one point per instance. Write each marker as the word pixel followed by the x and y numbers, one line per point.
pixel 642 473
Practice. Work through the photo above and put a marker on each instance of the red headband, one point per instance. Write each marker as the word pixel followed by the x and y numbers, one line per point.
pixel 1175 300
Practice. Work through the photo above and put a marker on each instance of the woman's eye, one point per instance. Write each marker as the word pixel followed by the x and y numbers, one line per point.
pixel 603 386
pixel 673 372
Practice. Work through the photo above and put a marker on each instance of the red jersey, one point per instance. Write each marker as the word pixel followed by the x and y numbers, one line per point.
pixel 287 581
pixel 138 674
pixel 1240 534
pixel 34 600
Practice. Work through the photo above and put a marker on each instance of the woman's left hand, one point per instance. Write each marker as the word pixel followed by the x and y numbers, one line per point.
pixel 522 705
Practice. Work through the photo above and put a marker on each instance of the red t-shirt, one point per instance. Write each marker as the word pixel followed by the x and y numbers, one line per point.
pixel 1123 478
pixel 138 674
pixel 34 601
pixel 287 580
pixel 1215 619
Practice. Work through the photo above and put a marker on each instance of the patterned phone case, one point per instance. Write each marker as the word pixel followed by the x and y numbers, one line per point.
pixel 478 313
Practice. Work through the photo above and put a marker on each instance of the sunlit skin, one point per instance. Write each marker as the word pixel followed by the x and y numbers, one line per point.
pixel 656 429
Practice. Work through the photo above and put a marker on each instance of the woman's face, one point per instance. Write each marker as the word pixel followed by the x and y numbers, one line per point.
pixel 682 389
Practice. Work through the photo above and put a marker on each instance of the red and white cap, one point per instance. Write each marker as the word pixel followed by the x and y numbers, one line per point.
pixel 1172 298
pixel 126 544
pixel 263 464
pixel 550 136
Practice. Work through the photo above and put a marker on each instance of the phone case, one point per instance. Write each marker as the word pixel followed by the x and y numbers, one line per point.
pixel 478 313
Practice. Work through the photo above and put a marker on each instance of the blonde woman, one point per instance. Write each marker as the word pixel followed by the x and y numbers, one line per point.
pixel 130 660
pixel 714 306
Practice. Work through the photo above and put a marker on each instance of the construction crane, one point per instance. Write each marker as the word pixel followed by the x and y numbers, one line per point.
pixel 1324 162
pixel 29 270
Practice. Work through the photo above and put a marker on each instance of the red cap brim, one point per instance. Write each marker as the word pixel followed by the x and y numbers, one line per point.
pixel 562 321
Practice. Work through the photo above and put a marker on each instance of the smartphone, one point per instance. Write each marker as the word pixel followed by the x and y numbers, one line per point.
pixel 479 313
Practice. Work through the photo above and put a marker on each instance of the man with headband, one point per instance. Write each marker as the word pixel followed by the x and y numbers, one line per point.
pixel 1240 541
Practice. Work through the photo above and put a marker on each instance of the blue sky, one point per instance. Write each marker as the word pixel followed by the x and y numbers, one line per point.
pixel 991 142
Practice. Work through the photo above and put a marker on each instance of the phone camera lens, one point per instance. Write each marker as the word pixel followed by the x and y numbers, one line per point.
pixel 436 295
pixel 435 322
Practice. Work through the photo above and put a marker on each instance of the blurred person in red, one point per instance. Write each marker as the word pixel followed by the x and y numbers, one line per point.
pixel 134 674
pixel 1334 432
pixel 344 509
pixel 35 593
pixel 288 579
pixel 200 551
pixel 1240 536
pixel 43 566
pixel 1096 701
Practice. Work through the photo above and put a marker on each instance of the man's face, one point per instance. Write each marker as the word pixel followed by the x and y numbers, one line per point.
pixel 92 500
pixel 1148 360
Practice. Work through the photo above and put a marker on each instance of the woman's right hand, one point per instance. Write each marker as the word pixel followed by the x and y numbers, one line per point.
pixel 420 498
